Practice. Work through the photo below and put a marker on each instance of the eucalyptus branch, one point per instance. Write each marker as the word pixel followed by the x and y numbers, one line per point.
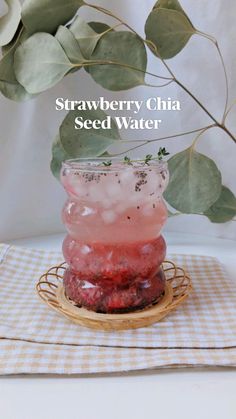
pixel 153 47
pixel 43 60
pixel 173 79
pixel 214 41
pixel 122 22
pixel 109 30
pixel 88 63
pixel 169 137
pixel 196 100
pixel 226 82
pixel 229 110
pixel 160 85
pixel 109 13
pixel 199 135
pixel 218 124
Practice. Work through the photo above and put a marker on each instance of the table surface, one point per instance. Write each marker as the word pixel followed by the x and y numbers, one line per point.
pixel 177 393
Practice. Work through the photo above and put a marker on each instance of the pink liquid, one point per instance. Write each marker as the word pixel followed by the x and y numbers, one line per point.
pixel 114 250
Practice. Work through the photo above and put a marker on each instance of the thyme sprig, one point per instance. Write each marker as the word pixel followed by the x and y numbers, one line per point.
pixel 107 163
pixel 147 159
pixel 162 153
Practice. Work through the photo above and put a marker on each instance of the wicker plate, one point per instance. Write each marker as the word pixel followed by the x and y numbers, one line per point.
pixel 50 289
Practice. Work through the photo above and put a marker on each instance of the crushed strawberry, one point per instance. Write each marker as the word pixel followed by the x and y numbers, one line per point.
pixel 115 278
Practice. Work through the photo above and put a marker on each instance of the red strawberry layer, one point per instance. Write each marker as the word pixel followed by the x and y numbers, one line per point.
pixel 114 278
pixel 112 298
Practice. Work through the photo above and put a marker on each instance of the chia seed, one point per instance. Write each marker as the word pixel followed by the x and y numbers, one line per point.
pixel 142 180
pixel 163 175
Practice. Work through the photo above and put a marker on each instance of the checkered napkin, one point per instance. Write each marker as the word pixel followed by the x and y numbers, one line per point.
pixel 35 339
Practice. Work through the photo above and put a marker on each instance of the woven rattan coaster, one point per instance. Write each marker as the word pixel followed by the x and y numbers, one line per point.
pixel 50 289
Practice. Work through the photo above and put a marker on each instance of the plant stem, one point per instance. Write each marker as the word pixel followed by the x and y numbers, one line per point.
pixel 130 67
pixel 214 41
pixel 218 124
pixel 226 82
pixel 160 85
pixel 145 142
pixel 197 101
pixel 173 78
pixel 229 110
pixel 109 13
pixel 198 136
pixel 223 127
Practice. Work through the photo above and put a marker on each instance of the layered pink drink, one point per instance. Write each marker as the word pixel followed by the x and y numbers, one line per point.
pixel 114 248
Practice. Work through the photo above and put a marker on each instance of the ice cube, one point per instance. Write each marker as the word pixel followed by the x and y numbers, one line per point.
pixel 96 193
pixel 114 190
pixel 137 198
pixel 87 211
pixel 74 187
pixel 153 182
pixel 109 216
pixel 106 203
pixel 127 177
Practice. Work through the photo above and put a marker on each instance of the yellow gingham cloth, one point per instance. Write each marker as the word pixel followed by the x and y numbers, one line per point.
pixel 35 339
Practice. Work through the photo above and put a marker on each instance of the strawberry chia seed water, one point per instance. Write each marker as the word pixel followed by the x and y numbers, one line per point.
pixel 114 248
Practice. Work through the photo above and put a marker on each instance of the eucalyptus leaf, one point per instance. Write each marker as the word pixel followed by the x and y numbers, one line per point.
pixel 87 142
pixel 40 63
pixel 10 21
pixel 14 91
pixel 224 209
pixel 85 35
pixel 70 45
pixel 58 157
pixel 9 85
pixel 173 214
pixel 169 30
pixel 100 27
pixel 128 51
pixel 47 15
pixel 7 62
pixel 195 182
pixel 170 4
pixel 8 47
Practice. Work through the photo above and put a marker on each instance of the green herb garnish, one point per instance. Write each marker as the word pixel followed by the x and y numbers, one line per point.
pixel 148 158
pixel 107 163
pixel 127 160
pixel 162 153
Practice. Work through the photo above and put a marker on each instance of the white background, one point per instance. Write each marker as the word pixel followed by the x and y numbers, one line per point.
pixel 31 199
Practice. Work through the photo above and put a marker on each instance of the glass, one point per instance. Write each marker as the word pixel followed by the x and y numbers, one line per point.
pixel 114 248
